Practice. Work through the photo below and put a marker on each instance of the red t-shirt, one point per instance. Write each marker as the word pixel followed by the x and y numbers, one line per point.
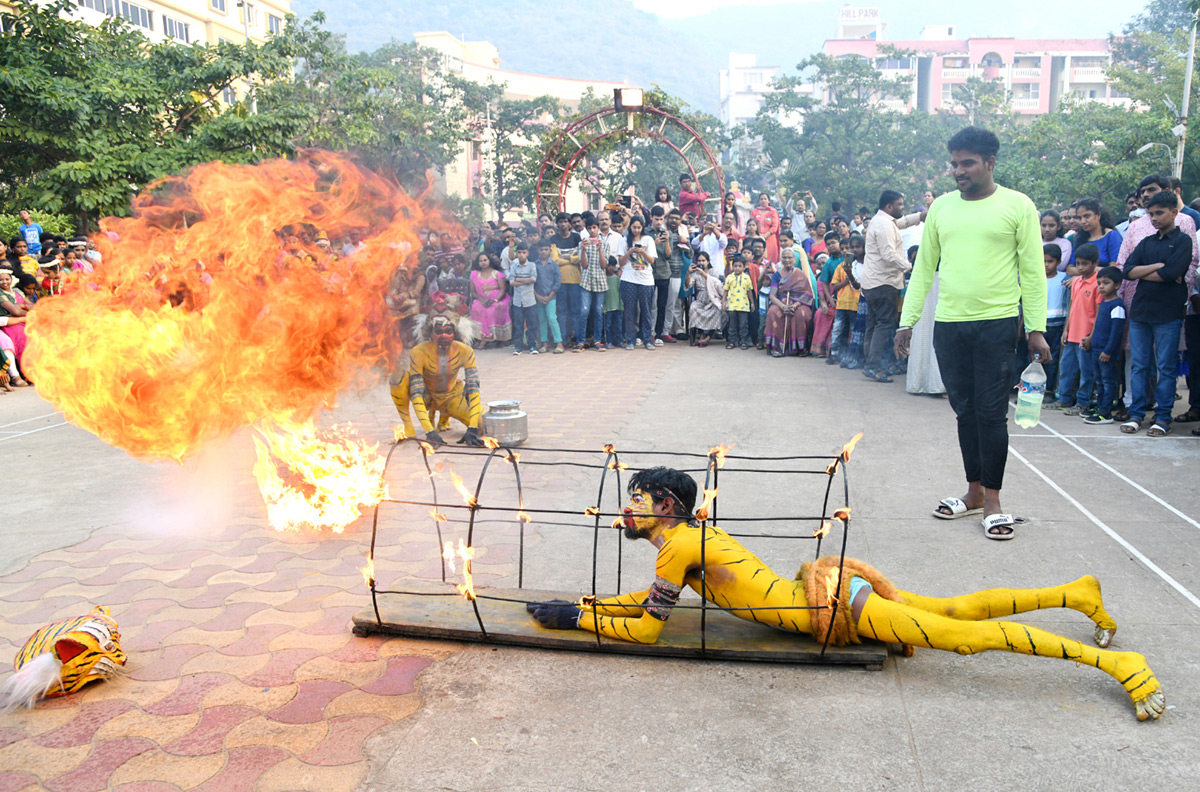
pixel 1085 299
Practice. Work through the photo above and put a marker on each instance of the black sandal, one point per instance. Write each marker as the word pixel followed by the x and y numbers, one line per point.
pixel 881 376
pixel 1191 416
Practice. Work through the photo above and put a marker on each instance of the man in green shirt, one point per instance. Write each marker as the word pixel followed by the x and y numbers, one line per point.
pixel 986 247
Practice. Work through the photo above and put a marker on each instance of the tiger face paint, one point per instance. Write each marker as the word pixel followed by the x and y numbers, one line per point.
pixel 640 519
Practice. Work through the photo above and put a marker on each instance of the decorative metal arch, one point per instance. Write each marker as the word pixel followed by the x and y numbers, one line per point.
pixel 648 123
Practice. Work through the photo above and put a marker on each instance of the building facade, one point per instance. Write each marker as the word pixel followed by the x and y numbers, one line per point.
pixel 479 61
pixel 744 86
pixel 189 21
pixel 1036 74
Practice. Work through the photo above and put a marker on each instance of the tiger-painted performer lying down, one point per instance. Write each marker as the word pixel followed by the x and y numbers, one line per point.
pixel 660 510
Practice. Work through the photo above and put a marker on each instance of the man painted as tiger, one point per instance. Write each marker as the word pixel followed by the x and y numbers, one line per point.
pixel 660 510
pixel 430 383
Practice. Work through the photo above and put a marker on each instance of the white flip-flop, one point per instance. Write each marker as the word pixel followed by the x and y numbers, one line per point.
pixel 998 521
pixel 958 508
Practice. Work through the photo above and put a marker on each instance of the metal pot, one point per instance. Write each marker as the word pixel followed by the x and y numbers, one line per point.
pixel 505 421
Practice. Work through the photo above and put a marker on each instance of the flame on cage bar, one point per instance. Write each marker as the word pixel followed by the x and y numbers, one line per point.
pixel 615 465
pixel 215 311
pixel 719 453
pixel 490 442
pixel 710 495
pixel 523 517
pixel 368 572
pixel 844 454
pixel 831 586
pixel 465 554
pixel 826 527
pixel 457 481
pixel 437 515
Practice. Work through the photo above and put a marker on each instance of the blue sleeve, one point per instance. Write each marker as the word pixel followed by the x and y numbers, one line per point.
pixel 807 245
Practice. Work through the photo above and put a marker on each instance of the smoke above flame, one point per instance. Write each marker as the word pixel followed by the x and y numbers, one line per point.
pixel 215 310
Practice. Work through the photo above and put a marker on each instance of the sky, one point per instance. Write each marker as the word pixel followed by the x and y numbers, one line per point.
pixel 680 9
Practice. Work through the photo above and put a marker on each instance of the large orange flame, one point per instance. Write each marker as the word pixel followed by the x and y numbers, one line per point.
pixel 720 452
pixel 215 310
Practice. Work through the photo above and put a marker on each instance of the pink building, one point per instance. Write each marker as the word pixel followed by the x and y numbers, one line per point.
pixel 1036 73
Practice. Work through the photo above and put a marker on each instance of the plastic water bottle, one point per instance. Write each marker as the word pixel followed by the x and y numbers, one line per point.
pixel 1029 400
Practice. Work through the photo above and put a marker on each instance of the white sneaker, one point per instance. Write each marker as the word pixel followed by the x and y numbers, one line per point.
pixel 533 351
pixel 516 351
pixel 658 342
pixel 637 343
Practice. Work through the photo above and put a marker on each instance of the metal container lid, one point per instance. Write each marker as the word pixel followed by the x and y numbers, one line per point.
pixel 503 405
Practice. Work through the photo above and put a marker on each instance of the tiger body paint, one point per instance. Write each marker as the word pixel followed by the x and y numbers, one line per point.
pixel 431 385
pixel 735 578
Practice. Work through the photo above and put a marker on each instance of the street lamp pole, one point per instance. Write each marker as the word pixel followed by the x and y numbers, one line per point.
pixel 1187 98
pixel 245 6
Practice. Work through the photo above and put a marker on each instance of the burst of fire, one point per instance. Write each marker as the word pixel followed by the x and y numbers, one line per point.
pixel 710 495
pixel 465 553
pixel 592 511
pixel 313 479
pixel 609 448
pixel 368 572
pixel 842 513
pixel 719 454
pixel 490 442
pixel 618 522
pixel 514 457
pixel 831 586
pixel 457 481
pixel 615 465
pixel 398 433
pixel 524 517
pixel 427 447
pixel 824 530
pixel 215 310
pixel 437 515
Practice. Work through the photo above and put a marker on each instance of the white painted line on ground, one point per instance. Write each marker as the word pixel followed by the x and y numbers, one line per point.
pixel 1123 477
pixel 33 431
pixel 1116 537
pixel 27 420
pixel 1122 438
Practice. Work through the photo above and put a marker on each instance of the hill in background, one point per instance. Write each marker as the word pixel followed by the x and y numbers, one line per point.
pixel 613 40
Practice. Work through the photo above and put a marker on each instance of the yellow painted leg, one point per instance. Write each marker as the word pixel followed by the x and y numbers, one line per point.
pixel 1082 595
pixel 459 409
pixel 400 397
pixel 895 623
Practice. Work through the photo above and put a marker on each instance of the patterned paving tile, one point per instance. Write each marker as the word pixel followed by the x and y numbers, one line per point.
pixel 92 773
pixel 208 735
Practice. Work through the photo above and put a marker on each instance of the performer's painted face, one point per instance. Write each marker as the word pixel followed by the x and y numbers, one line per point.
pixel 639 527
pixel 443 334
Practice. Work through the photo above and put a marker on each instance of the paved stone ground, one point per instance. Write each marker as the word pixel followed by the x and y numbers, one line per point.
pixel 243 673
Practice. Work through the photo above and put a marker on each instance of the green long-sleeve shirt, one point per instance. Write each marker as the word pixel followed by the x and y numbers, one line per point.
pixel 988 255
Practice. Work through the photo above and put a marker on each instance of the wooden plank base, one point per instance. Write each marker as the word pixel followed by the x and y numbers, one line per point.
pixel 727 637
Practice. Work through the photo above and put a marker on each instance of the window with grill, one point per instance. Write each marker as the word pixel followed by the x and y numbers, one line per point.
pixel 142 17
pixel 175 29
pixel 274 24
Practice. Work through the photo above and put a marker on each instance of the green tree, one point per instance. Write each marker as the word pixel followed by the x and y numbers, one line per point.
pixel 843 142
pixel 514 127
pixel 90 114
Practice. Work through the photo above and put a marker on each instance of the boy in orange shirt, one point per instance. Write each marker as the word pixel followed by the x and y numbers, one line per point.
pixel 1077 365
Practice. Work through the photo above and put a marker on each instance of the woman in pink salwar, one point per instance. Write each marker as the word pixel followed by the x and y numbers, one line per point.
pixel 489 301
pixel 768 225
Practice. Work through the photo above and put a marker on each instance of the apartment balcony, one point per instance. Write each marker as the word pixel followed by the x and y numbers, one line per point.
pixel 955 74
pixel 1026 104
pixel 1025 73
pixel 893 104
pixel 1088 74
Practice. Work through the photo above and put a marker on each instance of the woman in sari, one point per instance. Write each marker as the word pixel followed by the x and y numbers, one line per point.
pixel 705 315
pixel 768 225
pixel 792 297
pixel 13 309
pixel 489 301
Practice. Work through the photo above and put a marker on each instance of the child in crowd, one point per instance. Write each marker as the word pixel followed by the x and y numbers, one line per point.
pixel 545 292
pixel 522 276
pixel 614 313
pixel 739 298
pixel 854 250
pixel 705 315
pixel 1056 317
pixel 1107 333
pixel 845 290
pixel 1076 374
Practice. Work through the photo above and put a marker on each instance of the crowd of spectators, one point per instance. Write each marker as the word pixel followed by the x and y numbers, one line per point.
pixel 795 281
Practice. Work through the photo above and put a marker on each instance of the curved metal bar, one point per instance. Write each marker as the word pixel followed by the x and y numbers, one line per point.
pixel 620 544
pixel 712 464
pixel 842 560
pixel 825 506
pixel 471 532
pixel 375 530
pixel 437 524
pixel 608 456
pixel 607 112
pixel 520 518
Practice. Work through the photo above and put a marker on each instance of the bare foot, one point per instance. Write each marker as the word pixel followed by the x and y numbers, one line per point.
pixel 1139 682
pixel 20 383
pixel 973 500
